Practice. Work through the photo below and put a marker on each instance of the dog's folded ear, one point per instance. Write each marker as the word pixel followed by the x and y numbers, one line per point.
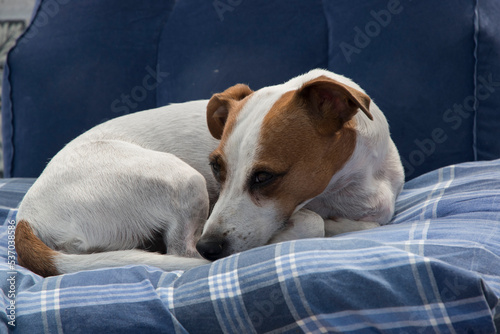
pixel 332 103
pixel 219 106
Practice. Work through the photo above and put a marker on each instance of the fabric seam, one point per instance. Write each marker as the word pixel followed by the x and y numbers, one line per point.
pixel 9 172
pixel 476 60
pixel 161 31
pixel 328 62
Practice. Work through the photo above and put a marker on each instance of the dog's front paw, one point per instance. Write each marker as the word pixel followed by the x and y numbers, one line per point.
pixel 343 225
pixel 303 224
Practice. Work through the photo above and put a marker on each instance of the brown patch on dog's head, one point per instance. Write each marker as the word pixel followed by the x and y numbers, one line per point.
pixel 222 111
pixel 307 137
pixel 223 108
pixel 32 253
pixel 331 104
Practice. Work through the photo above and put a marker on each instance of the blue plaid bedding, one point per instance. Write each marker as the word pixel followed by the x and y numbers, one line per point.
pixel 435 269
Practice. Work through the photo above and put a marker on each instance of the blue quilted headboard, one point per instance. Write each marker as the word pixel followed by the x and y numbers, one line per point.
pixel 431 66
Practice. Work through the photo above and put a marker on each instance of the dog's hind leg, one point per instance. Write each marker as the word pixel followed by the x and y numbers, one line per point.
pixel 110 196
pixel 192 203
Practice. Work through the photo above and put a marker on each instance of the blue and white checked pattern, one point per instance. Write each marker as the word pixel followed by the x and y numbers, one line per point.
pixel 435 269
pixel 224 284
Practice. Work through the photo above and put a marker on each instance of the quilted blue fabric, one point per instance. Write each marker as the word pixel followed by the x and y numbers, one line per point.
pixel 434 269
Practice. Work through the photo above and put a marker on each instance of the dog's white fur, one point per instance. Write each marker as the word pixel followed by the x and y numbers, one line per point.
pixel 113 187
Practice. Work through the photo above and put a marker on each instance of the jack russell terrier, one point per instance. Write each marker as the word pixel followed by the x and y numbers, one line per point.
pixel 290 161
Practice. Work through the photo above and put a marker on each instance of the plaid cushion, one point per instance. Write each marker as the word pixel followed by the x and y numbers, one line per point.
pixel 436 268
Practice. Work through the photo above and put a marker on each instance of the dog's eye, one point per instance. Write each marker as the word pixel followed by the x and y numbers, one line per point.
pixel 261 178
pixel 215 169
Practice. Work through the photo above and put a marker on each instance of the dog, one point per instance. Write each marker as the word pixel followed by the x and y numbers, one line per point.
pixel 312 157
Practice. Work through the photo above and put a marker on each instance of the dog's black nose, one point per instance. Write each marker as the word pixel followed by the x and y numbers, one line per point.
pixel 211 249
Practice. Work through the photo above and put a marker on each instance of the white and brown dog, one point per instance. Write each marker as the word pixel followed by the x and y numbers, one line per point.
pixel 285 162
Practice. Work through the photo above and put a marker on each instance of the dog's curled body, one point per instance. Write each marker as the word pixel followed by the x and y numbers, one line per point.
pixel 113 187
pixel 111 190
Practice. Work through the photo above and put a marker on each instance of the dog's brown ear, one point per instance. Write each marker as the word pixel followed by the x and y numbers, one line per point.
pixel 332 103
pixel 219 105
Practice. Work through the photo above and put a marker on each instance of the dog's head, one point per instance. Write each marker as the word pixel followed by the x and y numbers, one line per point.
pixel 279 148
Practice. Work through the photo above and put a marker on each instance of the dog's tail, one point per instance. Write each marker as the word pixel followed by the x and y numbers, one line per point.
pixel 36 256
